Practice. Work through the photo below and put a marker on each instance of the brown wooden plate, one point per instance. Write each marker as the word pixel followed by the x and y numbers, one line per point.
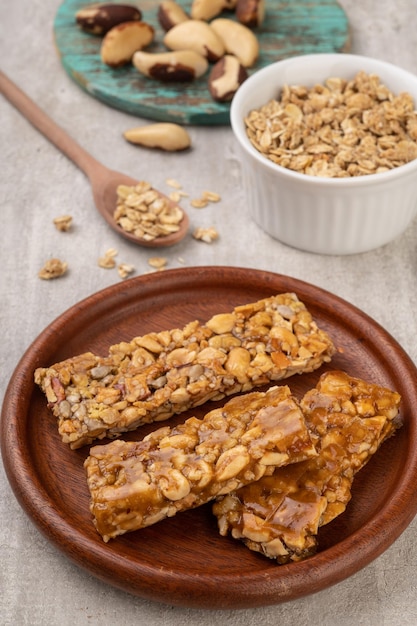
pixel 183 560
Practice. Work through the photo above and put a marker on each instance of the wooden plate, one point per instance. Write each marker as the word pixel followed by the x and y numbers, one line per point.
pixel 183 560
pixel 291 28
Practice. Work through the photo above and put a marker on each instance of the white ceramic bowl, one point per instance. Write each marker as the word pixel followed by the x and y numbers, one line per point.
pixel 323 215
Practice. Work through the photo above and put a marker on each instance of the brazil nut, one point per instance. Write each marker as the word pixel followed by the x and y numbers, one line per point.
pixel 123 40
pixel 225 78
pixel 195 35
pixel 170 14
pixel 174 66
pixel 98 19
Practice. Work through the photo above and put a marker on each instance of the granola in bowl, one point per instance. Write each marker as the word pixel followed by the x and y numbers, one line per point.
pixel 328 146
pixel 338 129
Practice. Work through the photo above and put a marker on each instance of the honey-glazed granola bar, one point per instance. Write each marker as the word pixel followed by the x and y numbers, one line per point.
pixel 160 374
pixel 280 515
pixel 136 484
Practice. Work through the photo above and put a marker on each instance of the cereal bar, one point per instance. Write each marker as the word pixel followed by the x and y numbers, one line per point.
pixel 136 484
pixel 280 515
pixel 164 373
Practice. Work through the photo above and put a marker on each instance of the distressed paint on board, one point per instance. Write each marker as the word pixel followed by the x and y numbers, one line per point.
pixel 290 29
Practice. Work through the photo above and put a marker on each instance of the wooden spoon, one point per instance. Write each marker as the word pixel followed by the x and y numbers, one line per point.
pixel 104 182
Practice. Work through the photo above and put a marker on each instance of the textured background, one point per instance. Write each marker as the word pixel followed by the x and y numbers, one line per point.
pixel 38 585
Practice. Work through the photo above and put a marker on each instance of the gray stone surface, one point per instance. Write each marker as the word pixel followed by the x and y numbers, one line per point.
pixel 38 585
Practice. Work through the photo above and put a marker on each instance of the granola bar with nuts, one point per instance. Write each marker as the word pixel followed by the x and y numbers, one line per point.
pixel 136 484
pixel 280 515
pixel 160 374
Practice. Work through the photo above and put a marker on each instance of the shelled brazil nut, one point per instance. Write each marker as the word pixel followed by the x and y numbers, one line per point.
pixel 251 13
pixel 196 35
pixel 225 78
pixel 122 41
pixel 166 136
pixel 98 19
pixel 175 66
pixel 207 9
pixel 170 14
pixel 192 40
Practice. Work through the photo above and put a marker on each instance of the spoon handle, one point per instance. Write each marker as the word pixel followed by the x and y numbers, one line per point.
pixel 54 133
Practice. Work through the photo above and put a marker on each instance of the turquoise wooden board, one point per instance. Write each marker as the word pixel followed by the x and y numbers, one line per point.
pixel 290 28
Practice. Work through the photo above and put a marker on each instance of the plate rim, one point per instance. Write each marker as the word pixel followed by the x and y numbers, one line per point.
pixel 37 504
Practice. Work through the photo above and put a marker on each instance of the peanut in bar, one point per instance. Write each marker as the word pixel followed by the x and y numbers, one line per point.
pixel 280 515
pixel 136 484
pixel 161 374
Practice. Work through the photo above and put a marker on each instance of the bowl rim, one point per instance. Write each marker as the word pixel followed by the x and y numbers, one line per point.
pixel 236 121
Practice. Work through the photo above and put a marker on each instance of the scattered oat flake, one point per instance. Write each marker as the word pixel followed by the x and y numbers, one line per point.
pixel 211 196
pixel 208 235
pixel 107 261
pixel 175 196
pixel 171 182
pixel 124 269
pixel 157 261
pixel 199 203
pixel 63 222
pixel 53 268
